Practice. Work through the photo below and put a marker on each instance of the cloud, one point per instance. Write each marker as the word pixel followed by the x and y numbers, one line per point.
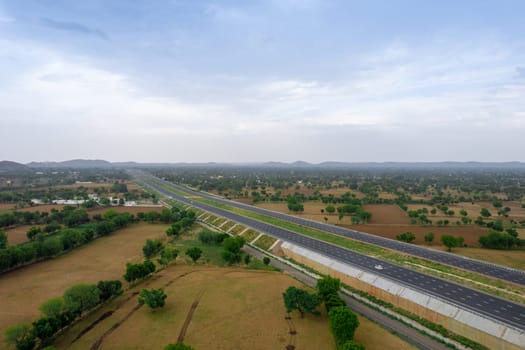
pixel 74 27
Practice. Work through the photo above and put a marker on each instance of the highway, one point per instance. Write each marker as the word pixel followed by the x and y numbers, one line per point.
pixel 492 270
pixel 509 313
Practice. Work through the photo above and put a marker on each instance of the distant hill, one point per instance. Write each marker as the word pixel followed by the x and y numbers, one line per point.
pixel 7 166
pixel 75 163
pixel 98 163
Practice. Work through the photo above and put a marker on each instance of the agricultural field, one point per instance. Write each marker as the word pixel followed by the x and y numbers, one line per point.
pixel 24 289
pixel 232 313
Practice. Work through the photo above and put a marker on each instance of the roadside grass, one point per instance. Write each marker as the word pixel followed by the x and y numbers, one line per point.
pixel 265 242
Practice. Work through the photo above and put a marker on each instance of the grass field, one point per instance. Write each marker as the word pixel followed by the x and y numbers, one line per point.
pixel 23 290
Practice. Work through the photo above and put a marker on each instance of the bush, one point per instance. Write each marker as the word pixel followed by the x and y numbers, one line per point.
pixel 154 298
pixel 266 260
pixel 152 247
pixel 408 237
pixel 178 346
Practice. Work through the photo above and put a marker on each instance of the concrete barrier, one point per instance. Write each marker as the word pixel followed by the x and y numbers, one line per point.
pixel 484 330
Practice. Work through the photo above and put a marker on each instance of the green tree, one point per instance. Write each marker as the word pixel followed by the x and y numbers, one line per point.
pixel 485 212
pixel 21 336
pixel 167 255
pixel 45 328
pixel 327 286
pixel 178 346
pixel 152 247
pixel 33 232
pixel 53 307
pixel 81 297
pixel 154 298
pixel 3 240
pixel 429 237
pixel 300 300
pixel 408 237
pixel 194 253
pixel 343 323
pixel 449 242
pixel 232 249
pixel 330 209
pixel 266 260
pixel 108 289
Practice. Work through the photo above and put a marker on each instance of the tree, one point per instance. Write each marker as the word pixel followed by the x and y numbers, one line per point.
pixel 154 298
pixel 3 240
pixel 343 323
pixel 178 346
pixel 151 248
pixel 108 289
pixel 429 237
pixel 21 336
pixel 330 209
pixel 194 253
pixel 45 328
pixel 266 260
pixel 300 300
pixel 247 259
pixel 449 241
pixel 32 232
pixel 232 249
pixel 485 212
pixel 167 255
pixel 406 237
pixel 53 307
pixel 81 297
pixel 328 285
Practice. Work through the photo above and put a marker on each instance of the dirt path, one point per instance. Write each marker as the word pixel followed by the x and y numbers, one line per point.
pixel 187 321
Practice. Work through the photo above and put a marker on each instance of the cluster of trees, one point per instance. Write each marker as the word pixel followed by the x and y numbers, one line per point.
pixel 232 246
pixel 181 219
pixel 139 271
pixel 343 321
pixel 501 240
pixel 60 312
pixel 294 204
pixel 47 246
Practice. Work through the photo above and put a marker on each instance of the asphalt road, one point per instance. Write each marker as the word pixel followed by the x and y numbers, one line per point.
pixel 509 313
pixel 477 266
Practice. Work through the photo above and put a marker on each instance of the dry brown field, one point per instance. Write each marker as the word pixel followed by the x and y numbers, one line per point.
pixel 469 233
pixel 510 258
pixel 23 290
pixel 312 211
pixel 231 313
pixel 43 207
pixel 6 206
pixel 18 235
pixel 387 214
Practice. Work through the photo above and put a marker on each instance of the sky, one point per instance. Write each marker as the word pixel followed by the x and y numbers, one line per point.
pixel 256 81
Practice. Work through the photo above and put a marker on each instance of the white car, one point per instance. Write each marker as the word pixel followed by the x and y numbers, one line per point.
pixel 378 267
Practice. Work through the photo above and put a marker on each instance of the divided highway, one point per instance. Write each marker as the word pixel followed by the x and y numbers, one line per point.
pixel 477 266
pixel 509 313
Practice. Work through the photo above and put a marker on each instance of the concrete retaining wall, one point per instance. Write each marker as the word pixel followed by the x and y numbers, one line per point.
pixel 483 330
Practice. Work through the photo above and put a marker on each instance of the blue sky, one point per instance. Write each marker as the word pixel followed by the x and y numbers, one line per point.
pixel 282 80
